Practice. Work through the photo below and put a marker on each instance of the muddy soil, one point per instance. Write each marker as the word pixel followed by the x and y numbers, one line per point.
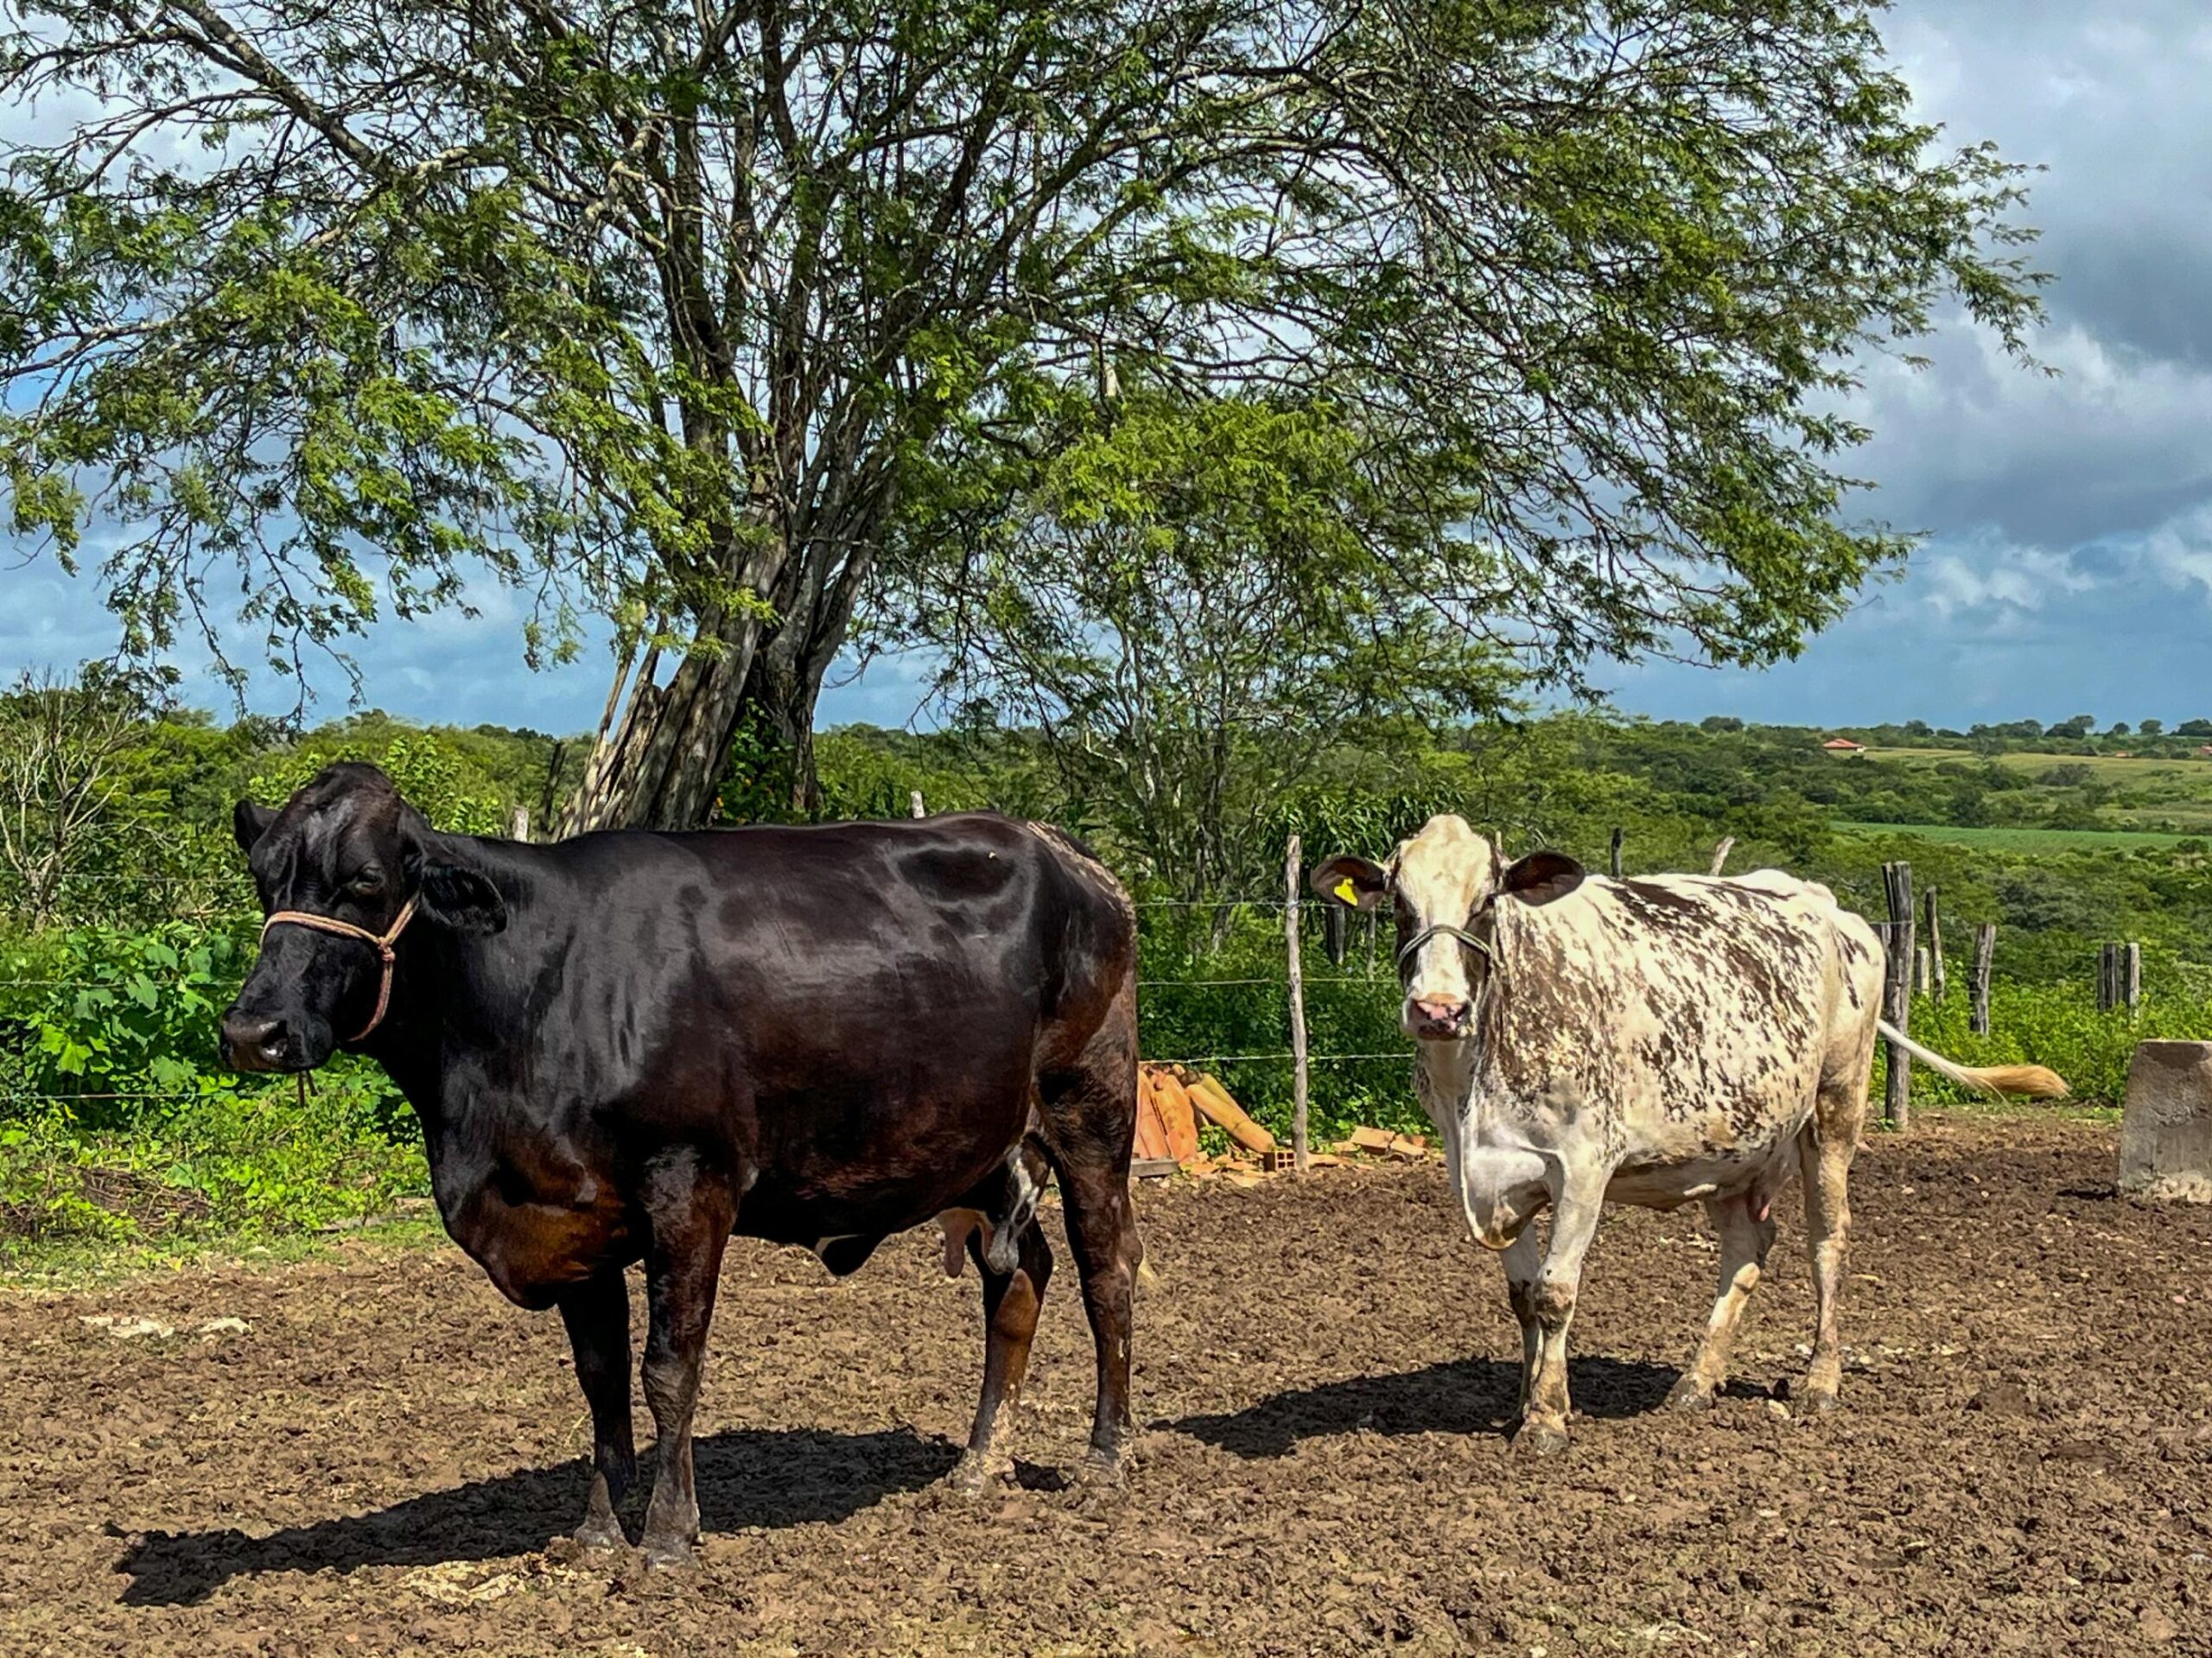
pixel 386 1456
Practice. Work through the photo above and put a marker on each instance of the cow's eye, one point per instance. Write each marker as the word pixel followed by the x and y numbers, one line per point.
pixel 367 883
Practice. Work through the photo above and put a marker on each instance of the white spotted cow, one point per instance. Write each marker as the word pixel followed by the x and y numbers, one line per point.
pixel 1583 1040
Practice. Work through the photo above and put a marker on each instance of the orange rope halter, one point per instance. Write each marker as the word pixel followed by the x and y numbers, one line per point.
pixel 382 942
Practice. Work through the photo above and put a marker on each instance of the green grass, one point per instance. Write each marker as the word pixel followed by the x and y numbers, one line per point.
pixel 2021 840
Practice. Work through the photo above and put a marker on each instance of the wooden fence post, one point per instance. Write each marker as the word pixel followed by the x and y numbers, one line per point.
pixel 518 825
pixel 1721 853
pixel 1617 838
pixel 1923 971
pixel 2107 978
pixel 914 804
pixel 1984 952
pixel 2131 978
pixel 1290 878
pixel 1897 1097
pixel 1939 982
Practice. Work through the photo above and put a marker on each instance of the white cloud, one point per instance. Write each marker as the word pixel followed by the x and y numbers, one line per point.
pixel 2181 549
pixel 1985 575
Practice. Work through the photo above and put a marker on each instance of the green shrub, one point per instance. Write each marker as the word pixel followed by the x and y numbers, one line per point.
pixel 1200 999
pixel 2056 1025
pixel 118 1120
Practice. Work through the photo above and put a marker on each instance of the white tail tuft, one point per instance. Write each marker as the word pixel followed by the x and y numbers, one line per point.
pixel 2036 1082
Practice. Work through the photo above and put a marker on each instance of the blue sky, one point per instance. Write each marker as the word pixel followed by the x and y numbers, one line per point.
pixel 2069 567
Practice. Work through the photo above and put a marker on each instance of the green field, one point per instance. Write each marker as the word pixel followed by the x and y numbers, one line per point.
pixel 2153 801
pixel 2019 840
pixel 2192 776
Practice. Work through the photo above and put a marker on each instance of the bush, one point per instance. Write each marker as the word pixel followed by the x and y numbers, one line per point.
pixel 117 1119
pixel 1200 1001
pixel 2056 1025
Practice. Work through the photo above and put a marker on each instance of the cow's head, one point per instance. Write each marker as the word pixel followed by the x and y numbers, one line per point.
pixel 1444 884
pixel 344 850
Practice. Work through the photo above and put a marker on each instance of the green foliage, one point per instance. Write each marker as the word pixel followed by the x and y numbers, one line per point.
pixel 221 1162
pixel 117 1120
pixel 2027 840
pixel 1202 600
pixel 424 770
pixel 101 1017
pixel 1212 994
pixel 2057 1024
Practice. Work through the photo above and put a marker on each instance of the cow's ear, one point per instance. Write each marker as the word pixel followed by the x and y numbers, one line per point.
pixel 1357 883
pixel 459 898
pixel 249 822
pixel 1542 877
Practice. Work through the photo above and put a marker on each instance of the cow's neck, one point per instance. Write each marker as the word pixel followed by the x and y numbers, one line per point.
pixel 442 996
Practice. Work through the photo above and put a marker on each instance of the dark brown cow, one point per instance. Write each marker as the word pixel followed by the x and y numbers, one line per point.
pixel 630 1045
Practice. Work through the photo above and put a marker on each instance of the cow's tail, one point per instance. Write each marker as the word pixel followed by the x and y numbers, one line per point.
pixel 2037 1082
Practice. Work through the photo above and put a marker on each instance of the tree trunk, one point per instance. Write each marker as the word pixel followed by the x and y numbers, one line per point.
pixel 658 767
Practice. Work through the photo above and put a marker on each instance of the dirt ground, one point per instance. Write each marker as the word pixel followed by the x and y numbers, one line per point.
pixel 382 1458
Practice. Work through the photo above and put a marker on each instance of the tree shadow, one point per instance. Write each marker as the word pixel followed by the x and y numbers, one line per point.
pixel 1460 1396
pixel 747 1477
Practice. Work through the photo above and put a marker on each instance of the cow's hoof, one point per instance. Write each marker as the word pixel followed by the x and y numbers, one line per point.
pixel 1105 1471
pixel 1686 1395
pixel 668 1553
pixel 1818 1401
pixel 1538 1439
pixel 975 1470
pixel 599 1533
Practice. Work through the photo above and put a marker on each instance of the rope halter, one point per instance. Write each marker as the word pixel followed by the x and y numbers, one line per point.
pixel 1482 946
pixel 381 941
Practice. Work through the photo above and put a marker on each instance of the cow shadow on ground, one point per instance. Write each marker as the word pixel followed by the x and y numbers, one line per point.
pixel 1460 1397
pixel 747 1479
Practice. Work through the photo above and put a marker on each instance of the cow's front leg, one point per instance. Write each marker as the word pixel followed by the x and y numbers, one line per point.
pixel 597 1313
pixel 1011 1301
pixel 690 1213
pixel 1574 1223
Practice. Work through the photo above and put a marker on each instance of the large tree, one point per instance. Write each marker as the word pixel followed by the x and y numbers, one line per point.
pixel 707 316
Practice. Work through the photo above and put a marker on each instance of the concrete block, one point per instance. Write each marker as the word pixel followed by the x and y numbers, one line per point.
pixel 2165 1134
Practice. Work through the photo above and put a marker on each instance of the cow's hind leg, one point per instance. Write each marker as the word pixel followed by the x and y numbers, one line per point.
pixel 691 1214
pixel 1744 1226
pixel 1088 1116
pixel 1551 1298
pixel 597 1313
pixel 1011 1301
pixel 1825 1156
pixel 1524 1258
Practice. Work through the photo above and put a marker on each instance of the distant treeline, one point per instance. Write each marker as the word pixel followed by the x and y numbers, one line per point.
pixel 2081 733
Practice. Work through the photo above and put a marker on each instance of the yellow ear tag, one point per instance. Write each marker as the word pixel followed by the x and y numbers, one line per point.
pixel 1345 891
